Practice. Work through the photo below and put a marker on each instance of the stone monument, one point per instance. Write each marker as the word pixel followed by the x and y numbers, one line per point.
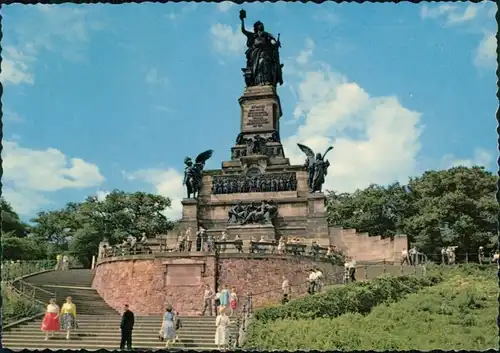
pixel 258 192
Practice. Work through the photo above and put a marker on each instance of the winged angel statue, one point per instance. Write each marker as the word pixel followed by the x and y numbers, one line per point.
pixel 193 173
pixel 316 166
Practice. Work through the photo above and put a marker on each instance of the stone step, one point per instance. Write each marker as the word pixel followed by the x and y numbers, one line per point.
pixel 107 339
pixel 109 334
pixel 137 326
pixel 76 345
pixel 139 319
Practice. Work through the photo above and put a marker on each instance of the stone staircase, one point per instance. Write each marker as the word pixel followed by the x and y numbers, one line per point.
pixel 99 324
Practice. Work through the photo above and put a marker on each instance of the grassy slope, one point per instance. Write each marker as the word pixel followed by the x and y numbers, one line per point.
pixel 459 313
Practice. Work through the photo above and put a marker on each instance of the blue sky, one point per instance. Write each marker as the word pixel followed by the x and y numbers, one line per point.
pixel 98 97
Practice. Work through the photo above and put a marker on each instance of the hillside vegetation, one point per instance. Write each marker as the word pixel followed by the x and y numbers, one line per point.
pixel 458 313
pixel 15 307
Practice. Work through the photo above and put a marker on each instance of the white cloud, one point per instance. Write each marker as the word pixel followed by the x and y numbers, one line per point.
pixel 11 116
pixel 486 52
pixel 15 69
pixel 62 29
pixel 225 6
pixel 167 183
pixel 23 201
pixel 226 40
pixel 101 195
pixel 376 138
pixel 475 17
pixel 451 14
pixel 305 55
pixel 481 157
pixel 30 173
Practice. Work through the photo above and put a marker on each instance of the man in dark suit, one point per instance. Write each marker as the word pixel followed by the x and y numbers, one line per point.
pixel 126 326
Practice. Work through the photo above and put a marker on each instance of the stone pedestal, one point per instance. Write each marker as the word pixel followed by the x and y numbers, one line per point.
pixel 259 171
pixel 317 225
pixel 246 232
pixel 190 215
pixel 260 109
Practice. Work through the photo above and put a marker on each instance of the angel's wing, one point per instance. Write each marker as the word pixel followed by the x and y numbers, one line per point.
pixel 308 152
pixel 328 150
pixel 204 156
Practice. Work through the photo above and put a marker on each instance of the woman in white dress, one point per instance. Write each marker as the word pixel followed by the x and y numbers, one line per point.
pixel 167 330
pixel 222 323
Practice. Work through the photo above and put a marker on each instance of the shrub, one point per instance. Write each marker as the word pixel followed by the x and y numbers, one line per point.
pixel 16 307
pixel 458 313
pixel 358 297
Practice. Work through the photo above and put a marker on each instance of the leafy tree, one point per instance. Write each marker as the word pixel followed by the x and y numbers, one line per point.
pixel 454 207
pixel 376 210
pixel 11 223
pixel 80 227
pixel 26 248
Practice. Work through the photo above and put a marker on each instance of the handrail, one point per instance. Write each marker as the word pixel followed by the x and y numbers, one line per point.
pixel 334 258
pixel 12 270
pixel 53 294
pixel 31 297
pixel 11 278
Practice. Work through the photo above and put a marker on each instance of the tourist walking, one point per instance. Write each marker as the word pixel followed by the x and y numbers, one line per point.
pixel 318 282
pixel 58 262
pixel 65 263
pixel 224 296
pixel 207 300
pixel 50 323
pixel 222 323
pixel 198 241
pixel 233 301
pixel 167 330
pixel 68 317
pixel 312 281
pixel 285 287
pixel 404 257
pixel 217 301
pixel 126 327
pixel 350 269
pixel 178 325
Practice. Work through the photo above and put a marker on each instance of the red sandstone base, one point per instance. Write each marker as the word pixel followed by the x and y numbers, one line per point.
pixel 148 284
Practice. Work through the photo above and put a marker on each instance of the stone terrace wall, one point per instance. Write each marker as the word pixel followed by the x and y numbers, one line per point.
pixel 147 284
pixel 365 248
pixel 263 277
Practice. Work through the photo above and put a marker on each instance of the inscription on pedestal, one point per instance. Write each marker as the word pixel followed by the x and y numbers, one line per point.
pixel 258 116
